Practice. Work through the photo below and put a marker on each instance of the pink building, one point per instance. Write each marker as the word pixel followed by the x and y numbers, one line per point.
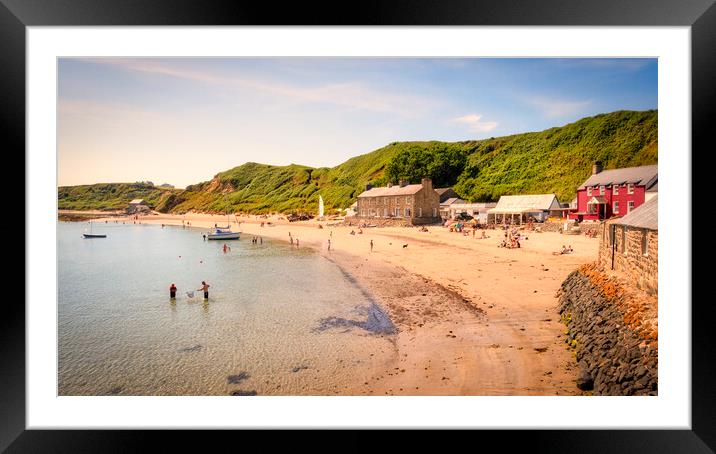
pixel 616 192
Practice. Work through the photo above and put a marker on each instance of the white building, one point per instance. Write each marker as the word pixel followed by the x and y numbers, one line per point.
pixel 517 209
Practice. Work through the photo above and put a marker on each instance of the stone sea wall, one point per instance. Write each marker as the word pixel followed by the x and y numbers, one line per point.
pixel 613 332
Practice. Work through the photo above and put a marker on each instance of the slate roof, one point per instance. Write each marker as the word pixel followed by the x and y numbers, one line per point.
pixel 646 216
pixel 391 191
pixel 643 175
pixel 452 200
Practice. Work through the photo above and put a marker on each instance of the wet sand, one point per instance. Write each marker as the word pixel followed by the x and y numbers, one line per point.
pixel 471 318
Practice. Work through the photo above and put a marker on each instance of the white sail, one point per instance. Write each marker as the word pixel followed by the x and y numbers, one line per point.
pixel 320 206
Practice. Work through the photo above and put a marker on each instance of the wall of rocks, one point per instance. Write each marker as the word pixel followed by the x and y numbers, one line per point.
pixel 613 341
pixel 557 226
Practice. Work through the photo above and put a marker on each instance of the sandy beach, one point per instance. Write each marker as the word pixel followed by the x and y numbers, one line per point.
pixel 472 318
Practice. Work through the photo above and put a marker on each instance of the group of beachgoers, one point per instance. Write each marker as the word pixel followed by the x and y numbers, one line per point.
pixel 257 240
pixel 512 239
pixel 565 250
pixel 204 287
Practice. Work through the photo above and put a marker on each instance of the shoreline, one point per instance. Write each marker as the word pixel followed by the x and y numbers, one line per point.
pixel 459 330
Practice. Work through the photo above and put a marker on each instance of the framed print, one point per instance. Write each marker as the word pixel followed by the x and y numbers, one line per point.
pixel 410 217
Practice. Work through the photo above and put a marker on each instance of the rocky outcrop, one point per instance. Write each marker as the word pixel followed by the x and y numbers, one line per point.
pixel 612 331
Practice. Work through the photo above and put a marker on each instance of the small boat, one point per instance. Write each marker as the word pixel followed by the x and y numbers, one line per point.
pixel 220 233
pixel 93 235
pixel 223 233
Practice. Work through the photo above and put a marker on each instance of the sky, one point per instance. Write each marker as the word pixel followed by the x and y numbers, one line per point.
pixel 183 120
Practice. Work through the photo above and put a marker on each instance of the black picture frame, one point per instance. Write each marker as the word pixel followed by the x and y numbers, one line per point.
pixel 700 15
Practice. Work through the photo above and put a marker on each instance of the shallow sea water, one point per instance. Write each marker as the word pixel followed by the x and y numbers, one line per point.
pixel 279 320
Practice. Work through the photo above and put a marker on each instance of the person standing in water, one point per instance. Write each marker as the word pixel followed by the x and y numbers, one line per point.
pixel 172 291
pixel 205 289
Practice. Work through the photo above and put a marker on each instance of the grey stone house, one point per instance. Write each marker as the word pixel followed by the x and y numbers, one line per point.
pixel 412 203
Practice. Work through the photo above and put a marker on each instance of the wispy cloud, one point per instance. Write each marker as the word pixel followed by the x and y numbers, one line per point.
pixel 475 123
pixel 352 95
pixel 553 107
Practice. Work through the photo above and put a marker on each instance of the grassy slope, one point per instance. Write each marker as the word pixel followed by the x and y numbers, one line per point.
pixel 559 159
pixel 109 196
pixel 556 160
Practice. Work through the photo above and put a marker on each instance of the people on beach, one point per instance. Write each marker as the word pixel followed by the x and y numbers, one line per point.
pixel 329 244
pixel 205 288
pixel 172 291
pixel 563 251
pixel 371 245
pixel 261 239
pixel 291 240
pixel 296 243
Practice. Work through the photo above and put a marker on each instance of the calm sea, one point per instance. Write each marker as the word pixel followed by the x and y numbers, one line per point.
pixel 279 320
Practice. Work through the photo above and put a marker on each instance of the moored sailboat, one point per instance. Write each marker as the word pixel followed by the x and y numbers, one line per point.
pixel 93 235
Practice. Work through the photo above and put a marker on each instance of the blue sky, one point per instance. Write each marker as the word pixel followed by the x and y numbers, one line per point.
pixel 182 120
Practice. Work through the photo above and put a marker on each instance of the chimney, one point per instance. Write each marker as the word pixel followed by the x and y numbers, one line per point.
pixel 368 187
pixel 597 167
pixel 402 183
pixel 427 183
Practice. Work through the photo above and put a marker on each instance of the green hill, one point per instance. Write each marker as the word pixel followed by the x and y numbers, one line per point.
pixel 555 160
pixel 111 196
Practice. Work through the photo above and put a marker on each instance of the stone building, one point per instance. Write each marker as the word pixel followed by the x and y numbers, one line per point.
pixel 446 193
pixel 630 246
pixel 412 203
pixel 137 206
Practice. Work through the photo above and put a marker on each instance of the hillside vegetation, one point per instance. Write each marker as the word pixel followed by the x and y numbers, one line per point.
pixel 555 160
pixel 110 196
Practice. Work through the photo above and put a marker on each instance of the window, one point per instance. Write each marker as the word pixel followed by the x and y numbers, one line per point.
pixel 615 208
pixel 644 242
pixel 435 212
pixel 397 200
pixel 615 189
pixel 407 200
pixel 630 206
pixel 397 212
pixel 589 191
pixel 420 212
pixel 385 212
pixel 407 212
pixel 601 190
pixel 630 188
